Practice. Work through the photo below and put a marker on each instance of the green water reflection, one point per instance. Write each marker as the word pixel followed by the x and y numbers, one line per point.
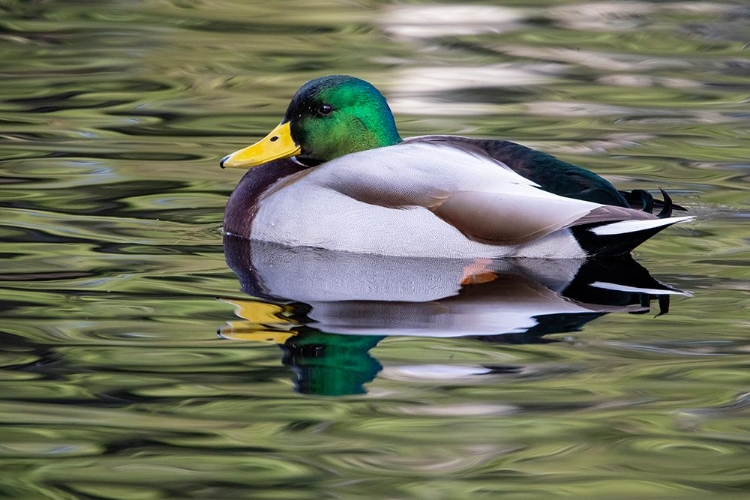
pixel 113 382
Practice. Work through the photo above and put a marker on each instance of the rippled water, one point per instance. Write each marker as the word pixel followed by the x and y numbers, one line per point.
pixel 341 377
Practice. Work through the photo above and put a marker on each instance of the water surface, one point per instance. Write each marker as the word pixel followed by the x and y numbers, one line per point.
pixel 338 378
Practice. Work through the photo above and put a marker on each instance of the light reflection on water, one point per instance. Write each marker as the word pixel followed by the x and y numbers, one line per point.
pixel 115 384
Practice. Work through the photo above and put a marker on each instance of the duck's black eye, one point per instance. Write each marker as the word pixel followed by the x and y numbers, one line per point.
pixel 325 109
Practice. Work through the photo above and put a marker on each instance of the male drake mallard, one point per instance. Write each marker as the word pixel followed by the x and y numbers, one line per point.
pixel 335 174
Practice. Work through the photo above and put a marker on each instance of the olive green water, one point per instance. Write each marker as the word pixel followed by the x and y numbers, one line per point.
pixel 114 383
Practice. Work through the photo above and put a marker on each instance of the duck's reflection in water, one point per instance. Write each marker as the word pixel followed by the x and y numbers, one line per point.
pixel 328 309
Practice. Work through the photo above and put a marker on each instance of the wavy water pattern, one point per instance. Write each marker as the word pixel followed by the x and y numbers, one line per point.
pixel 624 380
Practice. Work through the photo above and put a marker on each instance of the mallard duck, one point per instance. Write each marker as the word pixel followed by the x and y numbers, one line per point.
pixel 336 174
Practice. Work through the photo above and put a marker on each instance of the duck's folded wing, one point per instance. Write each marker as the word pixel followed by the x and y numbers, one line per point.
pixel 512 219
pixel 480 197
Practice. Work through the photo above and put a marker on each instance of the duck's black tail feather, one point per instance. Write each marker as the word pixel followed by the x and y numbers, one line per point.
pixel 640 199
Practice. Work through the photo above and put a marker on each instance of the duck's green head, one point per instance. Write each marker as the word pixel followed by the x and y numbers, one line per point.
pixel 327 118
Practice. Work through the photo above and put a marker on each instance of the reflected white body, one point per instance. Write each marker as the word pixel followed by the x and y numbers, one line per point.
pixel 379 295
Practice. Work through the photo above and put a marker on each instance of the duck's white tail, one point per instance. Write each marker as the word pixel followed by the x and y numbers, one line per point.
pixel 616 238
pixel 634 226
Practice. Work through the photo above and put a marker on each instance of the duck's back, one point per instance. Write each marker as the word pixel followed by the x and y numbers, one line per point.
pixel 551 174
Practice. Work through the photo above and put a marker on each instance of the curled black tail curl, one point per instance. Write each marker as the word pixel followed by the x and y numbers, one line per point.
pixel 640 199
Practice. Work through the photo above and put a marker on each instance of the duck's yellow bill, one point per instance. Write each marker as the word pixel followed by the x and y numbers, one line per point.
pixel 278 144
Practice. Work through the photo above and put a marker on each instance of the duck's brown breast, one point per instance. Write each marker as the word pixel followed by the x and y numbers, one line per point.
pixel 242 205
